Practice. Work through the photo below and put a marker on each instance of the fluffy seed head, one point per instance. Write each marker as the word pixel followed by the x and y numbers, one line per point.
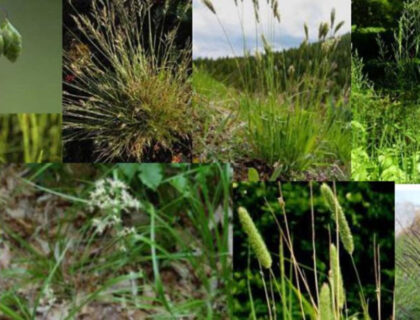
pixel 256 241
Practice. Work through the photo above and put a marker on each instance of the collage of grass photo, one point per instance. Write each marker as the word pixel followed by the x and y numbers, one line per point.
pixel 205 159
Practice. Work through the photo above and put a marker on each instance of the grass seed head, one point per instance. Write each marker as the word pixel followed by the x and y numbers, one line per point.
pixel 256 241
pixel 336 279
pixel 343 227
pixel 325 305
pixel 209 5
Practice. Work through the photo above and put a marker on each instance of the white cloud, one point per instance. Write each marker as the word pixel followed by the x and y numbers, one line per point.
pixel 209 37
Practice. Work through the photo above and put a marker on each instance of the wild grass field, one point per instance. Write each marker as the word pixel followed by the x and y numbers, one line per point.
pixel 314 251
pixel 29 138
pixel 385 97
pixel 127 91
pixel 285 114
pixel 126 241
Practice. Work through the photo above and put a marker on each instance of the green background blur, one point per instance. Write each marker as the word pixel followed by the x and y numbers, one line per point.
pixel 33 83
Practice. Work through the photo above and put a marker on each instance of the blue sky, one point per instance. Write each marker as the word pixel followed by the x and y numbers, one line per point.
pixel 407 193
pixel 210 41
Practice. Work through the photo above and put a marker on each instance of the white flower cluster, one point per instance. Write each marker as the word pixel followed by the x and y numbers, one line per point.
pixel 111 196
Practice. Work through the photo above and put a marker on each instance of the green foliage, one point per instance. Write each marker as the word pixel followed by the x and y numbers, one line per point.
pixel 386 138
pixel 130 89
pixel 28 138
pixel 375 13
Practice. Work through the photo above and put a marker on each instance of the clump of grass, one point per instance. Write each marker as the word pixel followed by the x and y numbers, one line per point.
pixel 129 88
pixel 29 138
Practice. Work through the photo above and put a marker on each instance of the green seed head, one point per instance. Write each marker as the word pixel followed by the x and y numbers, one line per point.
pixel 336 279
pixel 12 46
pixel 343 227
pixel 256 241
pixel 325 305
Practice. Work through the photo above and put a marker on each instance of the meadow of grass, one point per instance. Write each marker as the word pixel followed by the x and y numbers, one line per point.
pixel 386 135
pixel 134 241
pixel 29 138
pixel 284 113
pixel 311 251
pixel 127 91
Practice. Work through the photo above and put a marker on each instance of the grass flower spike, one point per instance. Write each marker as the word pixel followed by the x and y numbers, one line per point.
pixel 255 239
pixel 336 279
pixel 343 227
pixel 325 305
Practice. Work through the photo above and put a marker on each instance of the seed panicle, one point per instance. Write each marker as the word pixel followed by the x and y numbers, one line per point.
pixel 256 241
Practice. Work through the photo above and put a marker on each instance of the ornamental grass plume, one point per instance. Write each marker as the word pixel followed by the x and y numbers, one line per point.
pixel 325 305
pixel 343 227
pixel 256 241
pixel 336 279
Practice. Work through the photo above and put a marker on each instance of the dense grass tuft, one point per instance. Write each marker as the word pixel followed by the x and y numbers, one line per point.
pixel 128 87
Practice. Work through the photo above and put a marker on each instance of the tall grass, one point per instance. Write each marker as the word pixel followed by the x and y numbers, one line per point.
pixel 128 87
pixel 405 52
pixel 28 138
pixel 293 290
pixel 286 105
pixel 386 138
